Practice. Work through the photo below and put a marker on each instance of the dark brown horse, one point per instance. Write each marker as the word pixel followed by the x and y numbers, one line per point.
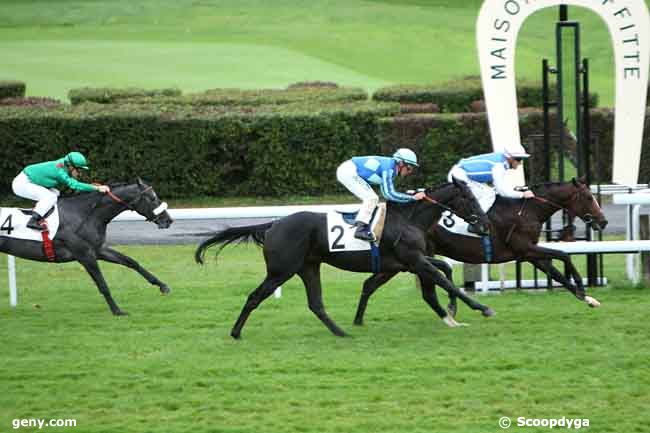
pixel 516 226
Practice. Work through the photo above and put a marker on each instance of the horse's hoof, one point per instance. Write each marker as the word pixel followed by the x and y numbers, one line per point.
pixel 592 302
pixel 358 322
pixel 452 310
pixel 235 335
pixel 165 290
pixel 488 312
pixel 450 321
pixel 120 313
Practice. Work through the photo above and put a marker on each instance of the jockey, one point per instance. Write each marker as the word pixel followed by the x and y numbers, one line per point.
pixel 40 182
pixel 480 171
pixel 356 174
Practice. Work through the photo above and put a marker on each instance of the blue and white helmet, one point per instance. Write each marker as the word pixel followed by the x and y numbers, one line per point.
pixel 406 156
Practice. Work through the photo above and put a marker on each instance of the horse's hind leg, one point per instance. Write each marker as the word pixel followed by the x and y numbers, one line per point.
pixel 310 275
pixel 374 282
pixel 262 292
pixel 110 255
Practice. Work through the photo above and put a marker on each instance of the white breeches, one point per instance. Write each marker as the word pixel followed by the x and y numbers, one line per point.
pixel 45 198
pixel 485 194
pixel 348 176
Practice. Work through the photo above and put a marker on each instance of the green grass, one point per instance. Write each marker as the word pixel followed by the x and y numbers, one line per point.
pixel 171 367
pixel 194 45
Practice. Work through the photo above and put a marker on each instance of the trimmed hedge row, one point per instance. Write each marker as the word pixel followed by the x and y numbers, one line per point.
pixel 107 95
pixel 12 89
pixel 258 151
pixel 221 97
pixel 457 96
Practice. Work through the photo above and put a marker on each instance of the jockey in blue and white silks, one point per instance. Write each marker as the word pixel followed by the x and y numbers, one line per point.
pixel 480 171
pixel 357 173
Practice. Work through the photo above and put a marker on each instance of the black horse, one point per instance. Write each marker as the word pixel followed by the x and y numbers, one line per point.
pixel 298 244
pixel 82 232
pixel 516 225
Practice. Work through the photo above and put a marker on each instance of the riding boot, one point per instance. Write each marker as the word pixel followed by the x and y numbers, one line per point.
pixel 473 228
pixel 363 232
pixel 35 222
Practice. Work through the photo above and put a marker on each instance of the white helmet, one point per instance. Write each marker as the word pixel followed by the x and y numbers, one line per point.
pixel 407 156
pixel 517 154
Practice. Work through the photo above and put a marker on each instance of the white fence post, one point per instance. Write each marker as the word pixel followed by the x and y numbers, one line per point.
pixel 13 292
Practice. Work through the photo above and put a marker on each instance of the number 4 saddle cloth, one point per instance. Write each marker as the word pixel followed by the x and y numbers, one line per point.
pixel 340 230
pixel 13 224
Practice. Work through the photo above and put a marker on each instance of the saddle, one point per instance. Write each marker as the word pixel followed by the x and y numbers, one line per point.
pixel 377 219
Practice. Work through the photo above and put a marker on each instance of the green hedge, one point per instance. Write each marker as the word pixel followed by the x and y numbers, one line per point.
pixel 457 96
pixel 225 151
pixel 221 97
pixel 107 95
pixel 236 97
pixel 12 89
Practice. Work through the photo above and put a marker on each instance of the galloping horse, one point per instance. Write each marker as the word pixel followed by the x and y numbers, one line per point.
pixel 82 232
pixel 516 226
pixel 298 244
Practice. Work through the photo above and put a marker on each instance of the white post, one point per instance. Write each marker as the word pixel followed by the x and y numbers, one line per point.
pixel 502 276
pixel 632 233
pixel 13 293
pixel 485 278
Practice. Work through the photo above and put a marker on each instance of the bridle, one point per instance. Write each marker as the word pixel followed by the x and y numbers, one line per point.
pixel 588 218
pixel 157 212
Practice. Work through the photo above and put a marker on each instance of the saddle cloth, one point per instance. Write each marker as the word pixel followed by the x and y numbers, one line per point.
pixel 13 224
pixel 340 230
pixel 455 224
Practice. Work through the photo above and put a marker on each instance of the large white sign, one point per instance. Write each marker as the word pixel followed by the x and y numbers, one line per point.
pixel 628 21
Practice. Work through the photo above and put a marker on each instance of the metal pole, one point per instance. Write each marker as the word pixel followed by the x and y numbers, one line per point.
pixel 564 13
pixel 546 104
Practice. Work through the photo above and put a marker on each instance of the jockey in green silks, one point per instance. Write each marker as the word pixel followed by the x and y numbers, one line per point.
pixel 41 182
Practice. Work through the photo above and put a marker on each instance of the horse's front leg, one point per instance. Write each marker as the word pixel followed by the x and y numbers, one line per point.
pixel 110 255
pixel 91 266
pixel 442 265
pixel 546 265
pixel 374 282
pixel 430 275
pixel 449 287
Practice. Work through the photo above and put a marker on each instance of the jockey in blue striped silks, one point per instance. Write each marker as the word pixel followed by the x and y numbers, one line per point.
pixel 481 171
pixel 357 173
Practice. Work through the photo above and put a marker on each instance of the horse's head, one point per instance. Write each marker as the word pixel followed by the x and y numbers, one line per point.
pixel 142 198
pixel 459 198
pixel 583 205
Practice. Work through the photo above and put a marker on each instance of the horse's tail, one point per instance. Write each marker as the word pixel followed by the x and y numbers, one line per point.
pixel 255 233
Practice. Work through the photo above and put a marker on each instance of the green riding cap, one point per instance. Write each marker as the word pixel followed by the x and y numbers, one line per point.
pixel 77 160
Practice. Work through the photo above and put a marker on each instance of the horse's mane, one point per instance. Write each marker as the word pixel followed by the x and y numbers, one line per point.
pixel 543 187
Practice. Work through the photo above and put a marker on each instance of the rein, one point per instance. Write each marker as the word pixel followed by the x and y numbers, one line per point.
pixel 473 218
pixel 129 205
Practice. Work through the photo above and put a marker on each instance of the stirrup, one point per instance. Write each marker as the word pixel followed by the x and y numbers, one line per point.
pixel 364 234
pixel 35 225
